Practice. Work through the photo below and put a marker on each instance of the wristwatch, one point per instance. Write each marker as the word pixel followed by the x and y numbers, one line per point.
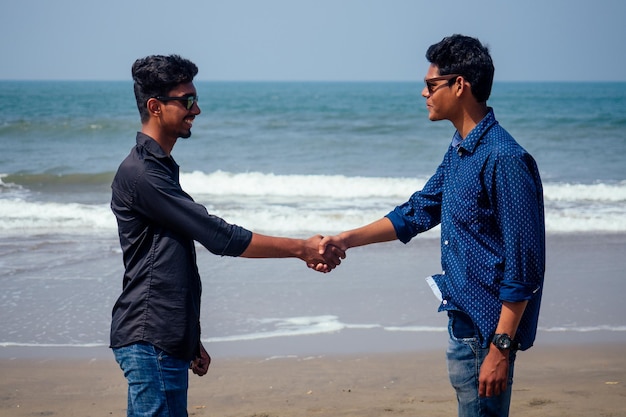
pixel 503 341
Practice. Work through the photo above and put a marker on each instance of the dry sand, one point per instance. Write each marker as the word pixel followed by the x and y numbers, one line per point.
pixel 586 380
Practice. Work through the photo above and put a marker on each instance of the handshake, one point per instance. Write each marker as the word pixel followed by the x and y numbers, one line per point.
pixel 324 253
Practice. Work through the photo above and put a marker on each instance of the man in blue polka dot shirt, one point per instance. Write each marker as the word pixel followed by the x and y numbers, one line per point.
pixel 487 196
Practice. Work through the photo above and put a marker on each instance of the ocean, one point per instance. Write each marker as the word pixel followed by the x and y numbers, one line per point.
pixel 289 159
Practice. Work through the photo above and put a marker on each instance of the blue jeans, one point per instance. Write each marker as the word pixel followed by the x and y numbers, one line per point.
pixel 465 356
pixel 157 382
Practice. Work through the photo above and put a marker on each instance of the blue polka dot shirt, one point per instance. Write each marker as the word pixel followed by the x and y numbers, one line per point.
pixel 487 196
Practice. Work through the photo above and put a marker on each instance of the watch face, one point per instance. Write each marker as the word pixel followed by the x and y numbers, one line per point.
pixel 502 341
pixel 505 342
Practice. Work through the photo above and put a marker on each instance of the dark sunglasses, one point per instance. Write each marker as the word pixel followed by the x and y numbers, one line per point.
pixel 186 101
pixel 433 87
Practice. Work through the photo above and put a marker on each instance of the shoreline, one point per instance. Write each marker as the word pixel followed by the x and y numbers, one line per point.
pixel 348 342
pixel 380 287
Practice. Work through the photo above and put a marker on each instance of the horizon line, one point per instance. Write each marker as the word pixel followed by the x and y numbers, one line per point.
pixel 297 81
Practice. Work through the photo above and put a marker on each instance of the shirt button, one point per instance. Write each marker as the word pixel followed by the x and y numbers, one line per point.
pixel 445 242
pixel 445 302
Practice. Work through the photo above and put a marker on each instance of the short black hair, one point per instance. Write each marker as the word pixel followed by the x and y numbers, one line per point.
pixel 464 55
pixel 157 75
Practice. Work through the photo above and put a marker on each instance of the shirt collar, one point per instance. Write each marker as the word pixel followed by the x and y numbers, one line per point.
pixel 150 145
pixel 471 140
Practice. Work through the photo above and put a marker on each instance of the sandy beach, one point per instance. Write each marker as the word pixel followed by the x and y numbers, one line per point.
pixel 586 381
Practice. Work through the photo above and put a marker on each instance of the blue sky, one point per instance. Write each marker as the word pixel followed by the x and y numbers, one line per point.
pixel 339 40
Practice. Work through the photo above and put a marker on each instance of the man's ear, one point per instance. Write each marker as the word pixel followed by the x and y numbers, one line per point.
pixel 154 106
pixel 461 86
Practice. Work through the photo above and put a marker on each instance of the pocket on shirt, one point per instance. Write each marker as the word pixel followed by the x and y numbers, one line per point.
pixel 465 205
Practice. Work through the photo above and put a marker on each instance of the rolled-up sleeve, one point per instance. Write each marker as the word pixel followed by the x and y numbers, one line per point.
pixel 422 211
pixel 519 213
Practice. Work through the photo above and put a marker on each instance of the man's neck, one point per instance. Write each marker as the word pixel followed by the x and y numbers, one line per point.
pixel 157 134
pixel 469 118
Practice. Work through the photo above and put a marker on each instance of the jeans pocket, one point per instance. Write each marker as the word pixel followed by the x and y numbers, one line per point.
pixel 461 327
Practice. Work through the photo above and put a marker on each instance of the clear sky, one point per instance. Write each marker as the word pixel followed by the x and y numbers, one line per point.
pixel 343 40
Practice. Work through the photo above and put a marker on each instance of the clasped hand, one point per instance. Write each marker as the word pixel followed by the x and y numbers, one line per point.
pixel 329 253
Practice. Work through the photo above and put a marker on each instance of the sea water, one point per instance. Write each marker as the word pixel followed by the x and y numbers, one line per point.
pixel 289 159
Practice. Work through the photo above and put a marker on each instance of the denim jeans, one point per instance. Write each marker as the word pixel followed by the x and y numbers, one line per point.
pixel 157 382
pixel 465 356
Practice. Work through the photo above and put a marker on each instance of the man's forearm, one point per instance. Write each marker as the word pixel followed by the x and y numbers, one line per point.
pixel 262 246
pixel 379 231
pixel 510 317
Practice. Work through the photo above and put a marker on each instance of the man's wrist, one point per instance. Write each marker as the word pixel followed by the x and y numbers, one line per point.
pixel 504 342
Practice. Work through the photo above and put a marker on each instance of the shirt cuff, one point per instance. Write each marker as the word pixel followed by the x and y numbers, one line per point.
pixel 400 225
pixel 516 291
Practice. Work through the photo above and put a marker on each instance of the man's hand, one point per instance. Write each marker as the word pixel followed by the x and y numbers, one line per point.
pixel 322 260
pixel 336 241
pixel 332 247
pixel 494 373
pixel 200 365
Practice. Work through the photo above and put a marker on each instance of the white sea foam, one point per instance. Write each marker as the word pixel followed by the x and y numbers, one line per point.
pixel 303 204
pixel 308 186
pixel 315 325
pixel 318 325
pixel 311 325
pixel 584 329
pixel 18 215
pixel 52 345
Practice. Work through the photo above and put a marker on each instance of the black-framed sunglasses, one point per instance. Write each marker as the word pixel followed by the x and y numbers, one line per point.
pixel 186 101
pixel 432 87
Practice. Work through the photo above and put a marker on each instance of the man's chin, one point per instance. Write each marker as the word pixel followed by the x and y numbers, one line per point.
pixel 433 117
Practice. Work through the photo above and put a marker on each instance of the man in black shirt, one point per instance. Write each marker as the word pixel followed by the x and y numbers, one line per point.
pixel 155 330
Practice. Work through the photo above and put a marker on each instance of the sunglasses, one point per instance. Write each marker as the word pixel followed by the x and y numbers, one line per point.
pixel 432 87
pixel 186 101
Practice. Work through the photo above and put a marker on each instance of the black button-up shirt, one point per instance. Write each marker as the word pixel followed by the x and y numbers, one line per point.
pixel 158 223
